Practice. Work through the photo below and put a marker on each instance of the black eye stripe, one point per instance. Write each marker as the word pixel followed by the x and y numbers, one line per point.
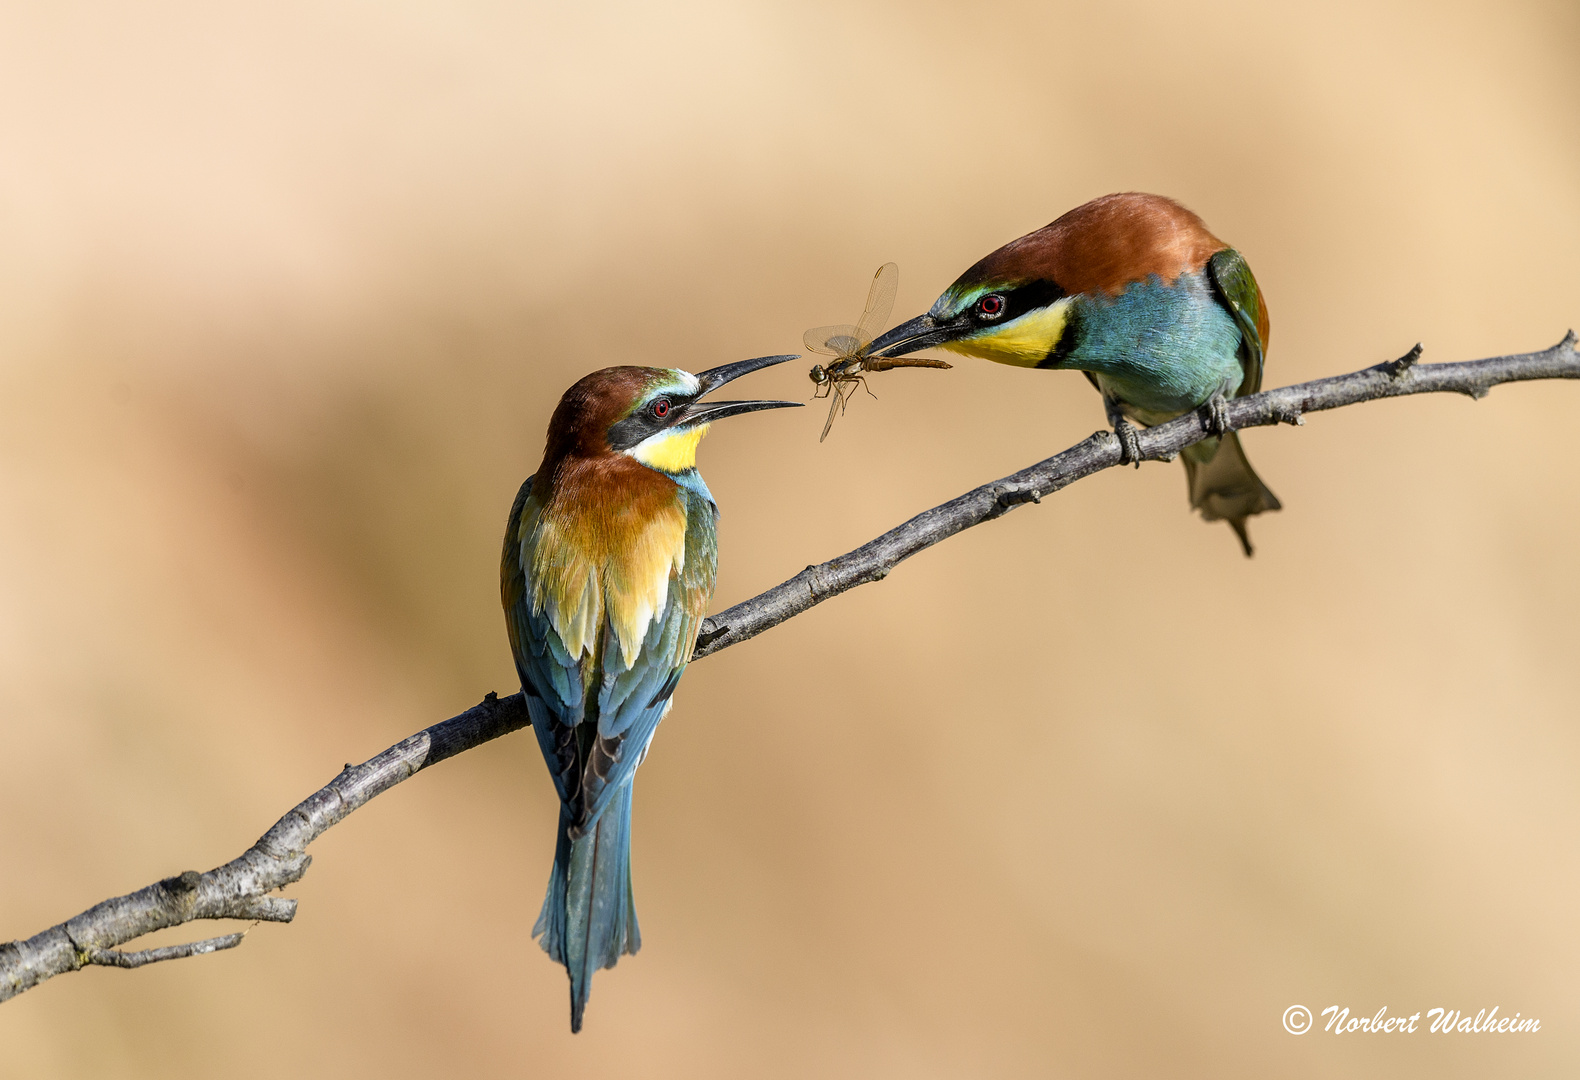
pixel 1018 301
pixel 643 422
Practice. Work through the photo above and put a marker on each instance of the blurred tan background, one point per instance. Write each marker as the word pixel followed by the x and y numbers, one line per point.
pixel 288 291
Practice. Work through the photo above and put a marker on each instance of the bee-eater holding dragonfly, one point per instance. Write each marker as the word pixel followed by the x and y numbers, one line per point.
pixel 1162 316
pixel 608 567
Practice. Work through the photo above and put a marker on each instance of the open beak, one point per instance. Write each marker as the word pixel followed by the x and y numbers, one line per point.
pixel 705 412
pixel 922 332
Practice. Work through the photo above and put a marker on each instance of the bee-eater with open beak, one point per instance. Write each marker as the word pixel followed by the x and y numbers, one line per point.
pixel 607 571
pixel 1162 316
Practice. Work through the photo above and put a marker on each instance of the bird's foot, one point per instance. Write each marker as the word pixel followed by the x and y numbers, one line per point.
pixel 1216 415
pixel 1129 442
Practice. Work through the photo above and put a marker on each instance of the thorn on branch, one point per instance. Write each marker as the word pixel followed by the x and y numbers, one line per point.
pixel 1008 499
pixel 1289 414
pixel 709 632
pixel 112 958
pixel 1396 368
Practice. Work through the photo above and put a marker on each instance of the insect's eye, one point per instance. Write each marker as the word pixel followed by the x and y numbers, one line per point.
pixel 659 409
pixel 991 306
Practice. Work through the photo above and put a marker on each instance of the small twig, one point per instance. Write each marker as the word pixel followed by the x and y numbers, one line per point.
pixel 111 958
pixel 240 888
pixel 1396 368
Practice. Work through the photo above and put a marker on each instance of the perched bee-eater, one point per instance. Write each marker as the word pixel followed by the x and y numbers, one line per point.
pixel 1161 315
pixel 608 568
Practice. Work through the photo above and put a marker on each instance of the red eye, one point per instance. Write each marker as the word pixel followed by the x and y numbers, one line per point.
pixel 659 408
pixel 991 305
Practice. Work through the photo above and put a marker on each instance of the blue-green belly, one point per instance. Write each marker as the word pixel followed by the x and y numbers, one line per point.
pixel 1161 350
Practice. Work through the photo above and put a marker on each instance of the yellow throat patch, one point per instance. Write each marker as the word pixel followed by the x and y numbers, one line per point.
pixel 670 451
pixel 1023 342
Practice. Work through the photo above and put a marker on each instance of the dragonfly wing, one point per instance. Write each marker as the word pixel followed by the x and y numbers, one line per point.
pixel 880 302
pixel 836 398
pixel 831 340
pixel 843 388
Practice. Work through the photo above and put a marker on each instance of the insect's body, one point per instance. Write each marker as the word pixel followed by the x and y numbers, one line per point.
pixel 851 346
pixel 842 370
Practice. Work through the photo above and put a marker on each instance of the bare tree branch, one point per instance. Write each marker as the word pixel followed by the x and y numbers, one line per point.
pixel 240 888
pixel 1286 405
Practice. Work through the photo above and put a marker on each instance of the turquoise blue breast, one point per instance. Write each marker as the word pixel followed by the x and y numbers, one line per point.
pixel 1160 349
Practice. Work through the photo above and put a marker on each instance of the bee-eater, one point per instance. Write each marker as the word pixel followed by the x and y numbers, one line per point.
pixel 1161 315
pixel 607 571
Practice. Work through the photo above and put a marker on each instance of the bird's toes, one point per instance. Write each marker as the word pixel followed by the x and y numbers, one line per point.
pixel 1129 443
pixel 1217 414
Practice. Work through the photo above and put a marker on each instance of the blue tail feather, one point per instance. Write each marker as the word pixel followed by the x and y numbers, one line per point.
pixel 589 914
pixel 550 927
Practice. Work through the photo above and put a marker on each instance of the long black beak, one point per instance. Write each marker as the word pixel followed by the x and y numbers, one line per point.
pixel 706 412
pixel 922 332
pixel 714 378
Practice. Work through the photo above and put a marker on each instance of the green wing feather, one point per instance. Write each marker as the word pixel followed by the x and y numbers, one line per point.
pixel 1238 290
